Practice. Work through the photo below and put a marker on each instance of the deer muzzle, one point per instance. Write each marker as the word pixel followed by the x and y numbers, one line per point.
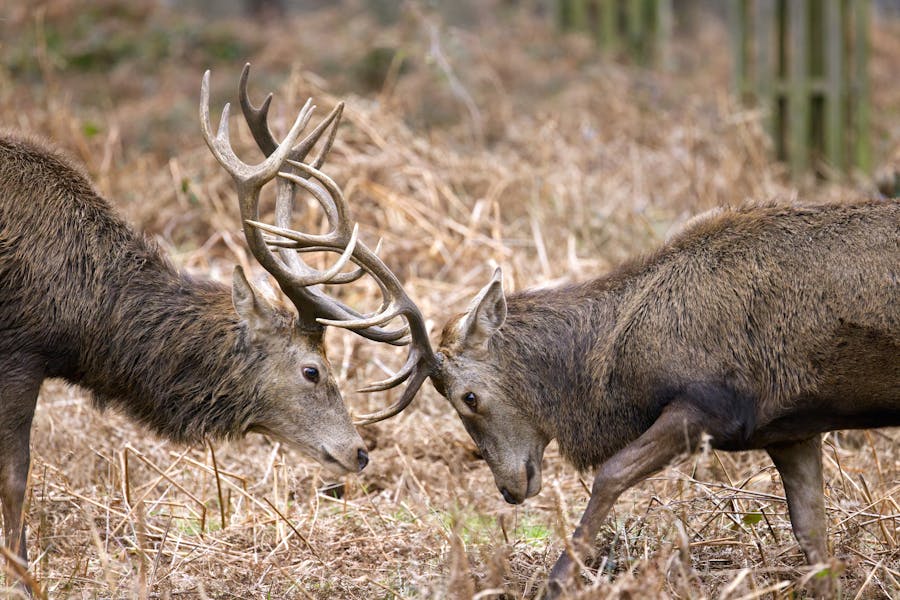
pixel 349 459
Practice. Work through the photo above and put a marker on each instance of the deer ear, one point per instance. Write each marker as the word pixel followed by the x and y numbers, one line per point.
pixel 249 304
pixel 486 314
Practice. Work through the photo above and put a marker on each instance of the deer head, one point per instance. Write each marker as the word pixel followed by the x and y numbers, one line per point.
pixel 466 370
pixel 304 405
pixel 475 377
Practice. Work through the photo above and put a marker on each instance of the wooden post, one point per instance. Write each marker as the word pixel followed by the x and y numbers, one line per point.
pixel 798 92
pixel 640 27
pixel 804 62
pixel 634 29
pixel 738 26
pixel 834 93
pixel 609 26
pixel 578 15
pixel 765 67
pixel 563 18
pixel 863 153
pixel 664 24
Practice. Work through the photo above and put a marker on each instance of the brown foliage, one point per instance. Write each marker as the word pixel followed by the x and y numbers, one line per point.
pixel 584 164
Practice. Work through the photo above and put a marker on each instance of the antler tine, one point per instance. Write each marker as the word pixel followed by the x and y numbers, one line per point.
pixel 343 316
pixel 340 278
pixel 284 207
pixel 337 113
pixel 396 300
pixel 257 118
pixel 313 277
pixel 257 121
pixel 299 241
pixel 395 379
pixel 335 210
pixel 405 400
pixel 332 200
pixel 356 274
pixel 249 179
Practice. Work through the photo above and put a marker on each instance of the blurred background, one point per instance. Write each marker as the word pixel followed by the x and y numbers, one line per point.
pixel 552 138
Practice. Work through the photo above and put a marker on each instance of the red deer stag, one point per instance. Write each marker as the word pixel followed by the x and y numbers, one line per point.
pixel 85 298
pixel 763 327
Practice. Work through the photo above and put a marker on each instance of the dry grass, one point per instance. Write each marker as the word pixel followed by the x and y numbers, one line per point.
pixel 501 144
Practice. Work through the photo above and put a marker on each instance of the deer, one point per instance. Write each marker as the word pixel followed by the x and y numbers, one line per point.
pixel 85 298
pixel 760 326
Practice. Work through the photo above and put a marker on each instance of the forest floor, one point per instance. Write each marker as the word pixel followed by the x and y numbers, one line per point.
pixel 472 138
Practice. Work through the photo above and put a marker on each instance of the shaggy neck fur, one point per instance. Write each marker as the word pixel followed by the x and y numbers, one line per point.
pixel 97 304
pixel 551 342
pixel 176 359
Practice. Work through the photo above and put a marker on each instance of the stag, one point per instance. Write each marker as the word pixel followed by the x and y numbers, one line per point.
pixel 85 298
pixel 762 327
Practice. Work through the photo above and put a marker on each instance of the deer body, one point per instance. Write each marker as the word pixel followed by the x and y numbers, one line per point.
pixel 85 298
pixel 764 314
pixel 763 327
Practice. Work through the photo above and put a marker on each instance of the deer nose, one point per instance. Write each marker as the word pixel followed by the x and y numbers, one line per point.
pixel 362 458
pixel 508 497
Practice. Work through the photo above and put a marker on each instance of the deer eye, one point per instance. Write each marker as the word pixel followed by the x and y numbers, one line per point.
pixel 311 374
pixel 470 400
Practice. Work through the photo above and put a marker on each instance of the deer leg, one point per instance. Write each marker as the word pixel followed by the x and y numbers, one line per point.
pixel 800 466
pixel 675 432
pixel 18 396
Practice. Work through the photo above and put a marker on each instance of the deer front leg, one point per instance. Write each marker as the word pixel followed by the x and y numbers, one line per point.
pixel 18 396
pixel 800 466
pixel 675 432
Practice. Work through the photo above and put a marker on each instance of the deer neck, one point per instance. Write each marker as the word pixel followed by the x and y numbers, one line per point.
pixel 172 354
pixel 559 333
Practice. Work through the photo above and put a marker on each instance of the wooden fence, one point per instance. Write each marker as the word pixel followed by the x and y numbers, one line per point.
pixel 636 28
pixel 805 63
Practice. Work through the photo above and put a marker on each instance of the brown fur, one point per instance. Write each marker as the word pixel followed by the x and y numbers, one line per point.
pixel 99 306
pixel 85 298
pixel 764 325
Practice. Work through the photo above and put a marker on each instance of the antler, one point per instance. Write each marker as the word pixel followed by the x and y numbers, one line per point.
pixel 421 362
pixel 295 277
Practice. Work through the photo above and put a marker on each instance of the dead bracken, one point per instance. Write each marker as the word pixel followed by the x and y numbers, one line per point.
pixel 576 165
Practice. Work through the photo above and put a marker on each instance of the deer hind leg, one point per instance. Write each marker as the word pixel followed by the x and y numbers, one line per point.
pixel 800 466
pixel 677 431
pixel 18 396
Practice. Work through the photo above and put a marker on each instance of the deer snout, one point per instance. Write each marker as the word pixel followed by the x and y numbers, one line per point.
pixel 351 458
pixel 524 483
